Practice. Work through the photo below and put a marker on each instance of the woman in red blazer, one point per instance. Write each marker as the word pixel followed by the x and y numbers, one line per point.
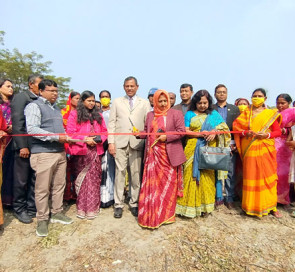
pixel 162 177
pixel 82 124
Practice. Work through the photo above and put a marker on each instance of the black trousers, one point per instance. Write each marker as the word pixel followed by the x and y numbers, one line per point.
pixel 23 185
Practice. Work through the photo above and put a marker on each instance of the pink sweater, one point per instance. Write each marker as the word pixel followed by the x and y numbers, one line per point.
pixel 74 128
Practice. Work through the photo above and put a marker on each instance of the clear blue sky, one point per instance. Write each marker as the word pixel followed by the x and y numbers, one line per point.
pixel 244 44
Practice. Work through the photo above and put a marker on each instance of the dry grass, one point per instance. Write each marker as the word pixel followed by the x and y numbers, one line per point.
pixel 225 241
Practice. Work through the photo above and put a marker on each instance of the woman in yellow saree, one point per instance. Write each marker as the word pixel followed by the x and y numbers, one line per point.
pixel 256 147
pixel 199 185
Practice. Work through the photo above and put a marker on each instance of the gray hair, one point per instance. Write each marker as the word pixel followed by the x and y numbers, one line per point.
pixel 33 77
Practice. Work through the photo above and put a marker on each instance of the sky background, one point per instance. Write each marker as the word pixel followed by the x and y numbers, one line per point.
pixel 243 44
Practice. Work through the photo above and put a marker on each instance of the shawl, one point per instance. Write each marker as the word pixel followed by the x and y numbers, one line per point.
pixel 212 121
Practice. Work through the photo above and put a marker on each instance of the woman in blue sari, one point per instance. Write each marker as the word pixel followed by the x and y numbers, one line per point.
pixel 199 185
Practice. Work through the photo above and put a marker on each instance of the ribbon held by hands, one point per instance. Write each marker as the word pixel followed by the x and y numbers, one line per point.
pixel 157 140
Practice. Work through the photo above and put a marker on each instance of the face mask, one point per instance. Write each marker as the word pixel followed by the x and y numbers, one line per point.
pixel 105 101
pixel 242 107
pixel 257 101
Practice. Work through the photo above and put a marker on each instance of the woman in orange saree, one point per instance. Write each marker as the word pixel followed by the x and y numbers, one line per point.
pixel 256 147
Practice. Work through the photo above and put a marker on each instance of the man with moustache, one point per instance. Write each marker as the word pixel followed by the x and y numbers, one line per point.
pixel 127 112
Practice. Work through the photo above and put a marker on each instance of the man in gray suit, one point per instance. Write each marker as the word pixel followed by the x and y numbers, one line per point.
pixel 229 113
pixel 127 112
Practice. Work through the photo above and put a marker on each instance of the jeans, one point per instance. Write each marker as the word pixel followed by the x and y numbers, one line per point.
pixel 229 183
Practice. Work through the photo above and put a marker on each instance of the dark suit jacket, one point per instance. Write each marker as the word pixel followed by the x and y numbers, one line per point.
pixel 232 113
pixel 179 107
pixel 18 104
pixel 174 122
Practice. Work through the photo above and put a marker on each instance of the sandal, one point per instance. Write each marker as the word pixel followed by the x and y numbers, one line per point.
pixel 81 215
pixel 276 214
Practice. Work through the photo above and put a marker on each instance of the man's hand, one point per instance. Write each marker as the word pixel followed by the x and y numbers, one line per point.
pixel 63 139
pixel 112 149
pixel 24 152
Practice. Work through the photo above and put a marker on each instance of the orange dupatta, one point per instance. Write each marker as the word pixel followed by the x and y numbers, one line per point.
pixel 259 162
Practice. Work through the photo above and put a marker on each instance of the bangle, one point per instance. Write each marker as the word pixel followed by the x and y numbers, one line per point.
pixel 243 133
pixel 268 135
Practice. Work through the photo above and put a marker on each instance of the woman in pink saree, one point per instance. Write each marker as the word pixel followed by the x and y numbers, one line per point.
pixel 87 150
pixel 284 153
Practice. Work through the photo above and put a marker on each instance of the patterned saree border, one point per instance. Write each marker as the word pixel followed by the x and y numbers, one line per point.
pixel 166 222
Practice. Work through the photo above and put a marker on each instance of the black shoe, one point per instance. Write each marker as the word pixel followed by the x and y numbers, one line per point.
pixel 23 217
pixel 230 205
pixel 134 211
pixel 118 212
pixel 31 214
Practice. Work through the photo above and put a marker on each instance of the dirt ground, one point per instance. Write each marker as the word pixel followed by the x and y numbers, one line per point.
pixel 225 241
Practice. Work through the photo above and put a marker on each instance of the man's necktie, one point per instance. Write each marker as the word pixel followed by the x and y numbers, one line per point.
pixel 131 102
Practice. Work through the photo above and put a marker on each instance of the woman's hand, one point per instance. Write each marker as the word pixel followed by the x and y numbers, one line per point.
pixel 2 133
pixel 209 137
pixel 261 135
pixel 192 134
pixel 162 138
pixel 90 141
pixel 291 144
pixel 249 133
pixel 9 129
pixel 135 130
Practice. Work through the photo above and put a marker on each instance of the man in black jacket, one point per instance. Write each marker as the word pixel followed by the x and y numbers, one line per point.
pixel 186 93
pixel 24 176
pixel 229 113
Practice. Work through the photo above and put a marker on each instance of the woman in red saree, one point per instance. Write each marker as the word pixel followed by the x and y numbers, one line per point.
pixel 256 145
pixel 162 176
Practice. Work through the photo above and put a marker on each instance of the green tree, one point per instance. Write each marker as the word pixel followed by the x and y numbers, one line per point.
pixel 17 67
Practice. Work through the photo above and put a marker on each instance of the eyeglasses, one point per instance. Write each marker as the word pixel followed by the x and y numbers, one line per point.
pixel 221 92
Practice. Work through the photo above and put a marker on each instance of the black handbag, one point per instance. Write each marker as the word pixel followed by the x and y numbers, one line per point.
pixel 214 158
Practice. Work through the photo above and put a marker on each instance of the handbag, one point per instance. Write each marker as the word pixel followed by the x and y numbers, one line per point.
pixel 214 158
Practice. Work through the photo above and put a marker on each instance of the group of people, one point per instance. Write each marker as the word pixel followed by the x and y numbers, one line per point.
pixel 144 152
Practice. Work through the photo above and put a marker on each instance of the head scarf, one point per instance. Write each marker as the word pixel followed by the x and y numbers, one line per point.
pixel 157 110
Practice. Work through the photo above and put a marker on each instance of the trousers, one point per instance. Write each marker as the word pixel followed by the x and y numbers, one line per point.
pixel 23 185
pixel 50 182
pixel 134 157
